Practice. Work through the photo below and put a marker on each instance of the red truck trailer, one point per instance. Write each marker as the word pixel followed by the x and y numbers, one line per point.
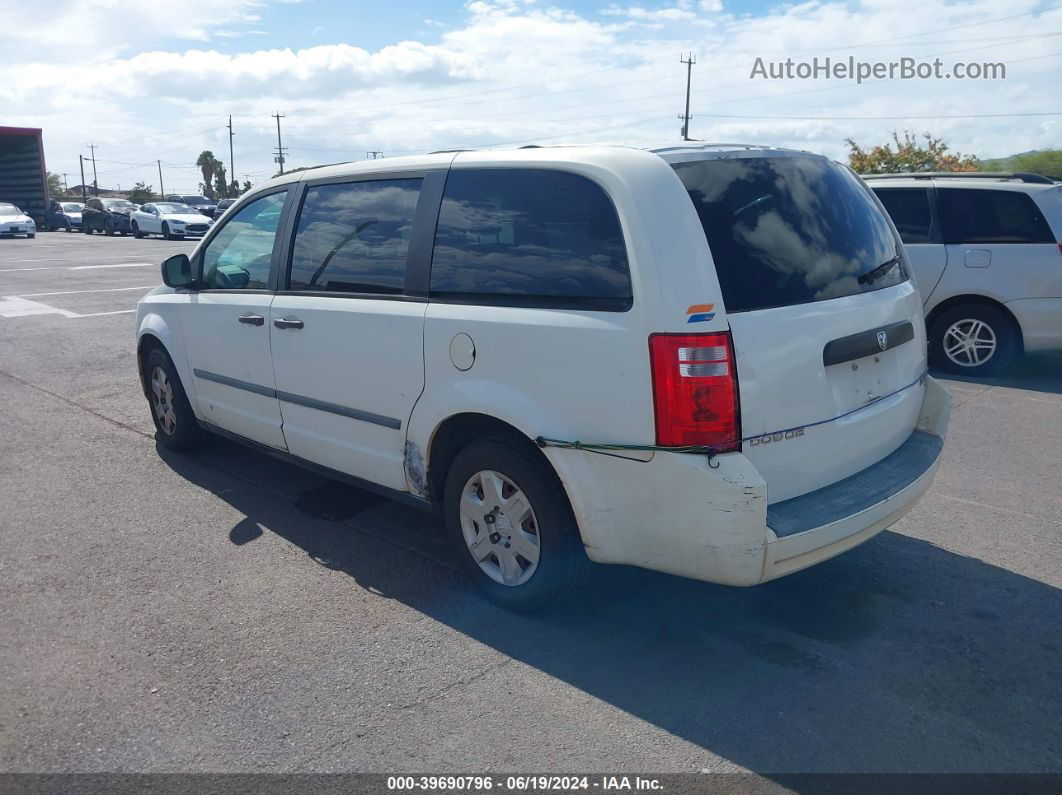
pixel 23 179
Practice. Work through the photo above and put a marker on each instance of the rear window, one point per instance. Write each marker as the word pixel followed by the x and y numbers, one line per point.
pixel 529 237
pixel 969 215
pixel 790 230
pixel 909 210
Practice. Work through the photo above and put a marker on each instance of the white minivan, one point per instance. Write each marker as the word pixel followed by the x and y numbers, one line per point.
pixel 704 360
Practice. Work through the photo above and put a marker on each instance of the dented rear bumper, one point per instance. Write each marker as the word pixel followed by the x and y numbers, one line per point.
pixel 679 514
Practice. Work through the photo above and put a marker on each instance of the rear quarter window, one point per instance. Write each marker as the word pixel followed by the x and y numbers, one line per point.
pixel 790 230
pixel 529 237
pixel 991 216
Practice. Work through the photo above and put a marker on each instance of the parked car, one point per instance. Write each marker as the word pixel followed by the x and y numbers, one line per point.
pixel 172 221
pixel 64 215
pixel 987 256
pixel 705 360
pixel 110 216
pixel 202 204
pixel 223 205
pixel 15 222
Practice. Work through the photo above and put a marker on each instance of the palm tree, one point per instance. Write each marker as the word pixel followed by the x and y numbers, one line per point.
pixel 207 164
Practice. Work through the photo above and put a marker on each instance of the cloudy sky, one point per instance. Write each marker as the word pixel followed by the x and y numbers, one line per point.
pixel 151 80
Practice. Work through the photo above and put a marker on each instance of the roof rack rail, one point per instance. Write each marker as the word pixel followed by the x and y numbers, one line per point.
pixel 449 151
pixel 1024 176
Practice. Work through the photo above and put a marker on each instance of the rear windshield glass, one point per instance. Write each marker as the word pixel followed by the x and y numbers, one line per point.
pixel 790 230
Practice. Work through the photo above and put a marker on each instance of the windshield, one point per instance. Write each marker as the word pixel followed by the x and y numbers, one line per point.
pixel 9 210
pixel 118 204
pixel 73 208
pixel 197 201
pixel 176 209
pixel 790 230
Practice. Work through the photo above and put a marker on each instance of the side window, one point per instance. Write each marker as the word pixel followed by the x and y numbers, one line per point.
pixel 909 210
pixel 354 237
pixel 238 256
pixel 991 216
pixel 529 237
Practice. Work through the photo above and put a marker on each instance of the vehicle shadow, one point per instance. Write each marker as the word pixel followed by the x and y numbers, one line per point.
pixel 1039 372
pixel 898 656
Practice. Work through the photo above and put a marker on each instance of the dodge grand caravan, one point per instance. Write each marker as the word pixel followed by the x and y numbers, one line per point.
pixel 706 360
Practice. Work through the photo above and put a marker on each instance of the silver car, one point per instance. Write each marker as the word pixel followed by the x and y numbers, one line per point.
pixel 987 258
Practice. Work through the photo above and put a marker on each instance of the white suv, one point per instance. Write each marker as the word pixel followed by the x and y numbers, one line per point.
pixel 986 254
pixel 706 360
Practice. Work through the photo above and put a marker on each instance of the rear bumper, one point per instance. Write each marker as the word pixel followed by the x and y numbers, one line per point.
pixel 676 514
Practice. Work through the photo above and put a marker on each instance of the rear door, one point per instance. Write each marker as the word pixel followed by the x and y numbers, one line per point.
pixel 827 327
pixel 347 334
pixel 227 333
pixel 999 243
pixel 911 212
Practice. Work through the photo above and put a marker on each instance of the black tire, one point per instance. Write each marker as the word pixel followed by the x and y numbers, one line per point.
pixel 69 227
pixel 1000 327
pixel 136 231
pixel 31 235
pixel 166 234
pixel 186 434
pixel 108 228
pixel 562 559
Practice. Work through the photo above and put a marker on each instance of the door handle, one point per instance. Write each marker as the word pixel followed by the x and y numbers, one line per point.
pixel 287 322
pixel 254 320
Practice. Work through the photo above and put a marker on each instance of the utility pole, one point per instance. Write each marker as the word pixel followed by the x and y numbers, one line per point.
pixel 84 190
pixel 690 61
pixel 232 163
pixel 279 158
pixel 66 185
pixel 95 184
pixel 162 188
pixel 375 154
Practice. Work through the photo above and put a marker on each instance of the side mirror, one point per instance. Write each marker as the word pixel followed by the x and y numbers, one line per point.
pixel 177 271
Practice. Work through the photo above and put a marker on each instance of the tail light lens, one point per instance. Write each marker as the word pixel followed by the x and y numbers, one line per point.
pixel 695 390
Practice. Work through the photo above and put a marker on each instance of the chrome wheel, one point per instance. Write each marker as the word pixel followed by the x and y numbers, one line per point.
pixel 500 528
pixel 969 342
pixel 162 401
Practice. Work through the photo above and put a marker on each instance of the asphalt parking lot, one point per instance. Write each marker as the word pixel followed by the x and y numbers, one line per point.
pixel 226 612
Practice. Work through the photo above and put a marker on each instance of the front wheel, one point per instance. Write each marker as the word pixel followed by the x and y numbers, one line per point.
pixel 166 233
pixel 510 522
pixel 108 229
pixel 136 231
pixel 973 339
pixel 174 420
pixel 31 235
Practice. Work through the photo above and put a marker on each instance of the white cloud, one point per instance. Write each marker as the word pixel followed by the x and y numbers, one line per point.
pixel 513 71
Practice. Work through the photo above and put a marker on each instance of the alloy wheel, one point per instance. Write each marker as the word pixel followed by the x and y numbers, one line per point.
pixel 162 401
pixel 969 342
pixel 500 528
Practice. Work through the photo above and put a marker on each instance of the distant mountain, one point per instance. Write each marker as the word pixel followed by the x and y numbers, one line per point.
pixel 1007 163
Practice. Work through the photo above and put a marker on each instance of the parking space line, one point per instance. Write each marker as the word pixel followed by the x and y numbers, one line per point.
pixel 79 292
pixel 81 267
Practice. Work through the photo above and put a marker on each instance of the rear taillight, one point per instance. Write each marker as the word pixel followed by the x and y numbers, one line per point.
pixel 695 390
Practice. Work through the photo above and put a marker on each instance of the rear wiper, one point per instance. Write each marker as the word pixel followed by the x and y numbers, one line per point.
pixel 879 271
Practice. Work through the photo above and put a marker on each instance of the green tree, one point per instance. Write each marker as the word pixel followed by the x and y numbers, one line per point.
pixel 55 185
pixel 246 185
pixel 141 193
pixel 207 165
pixel 221 184
pixel 1047 162
pixel 908 155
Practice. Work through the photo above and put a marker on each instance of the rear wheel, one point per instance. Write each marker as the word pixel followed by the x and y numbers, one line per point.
pixel 510 522
pixel 175 423
pixel 973 339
